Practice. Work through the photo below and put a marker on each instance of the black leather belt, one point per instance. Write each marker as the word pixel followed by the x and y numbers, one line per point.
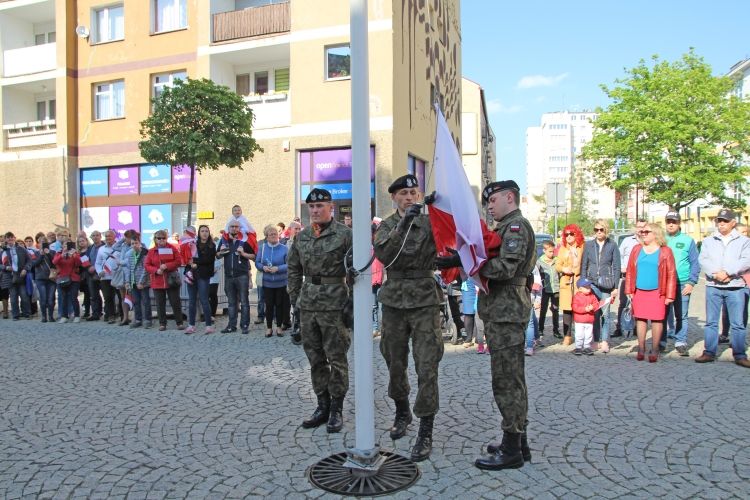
pixel 512 281
pixel 325 280
pixel 409 274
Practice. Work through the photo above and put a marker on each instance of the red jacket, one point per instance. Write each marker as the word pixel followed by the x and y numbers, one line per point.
pixel 67 266
pixel 154 260
pixel 580 301
pixel 667 273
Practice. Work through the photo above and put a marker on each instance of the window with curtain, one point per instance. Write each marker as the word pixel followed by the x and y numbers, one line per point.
pixel 281 80
pixel 109 100
pixel 109 24
pixel 163 80
pixel 169 15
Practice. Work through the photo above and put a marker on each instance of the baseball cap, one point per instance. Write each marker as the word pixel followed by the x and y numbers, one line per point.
pixel 583 282
pixel 726 214
pixel 673 215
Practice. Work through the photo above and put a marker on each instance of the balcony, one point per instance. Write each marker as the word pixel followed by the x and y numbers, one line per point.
pixel 270 110
pixel 29 60
pixel 30 134
pixel 251 22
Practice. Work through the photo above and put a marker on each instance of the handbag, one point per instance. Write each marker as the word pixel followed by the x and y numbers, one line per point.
pixel 52 271
pixel 174 280
pixel 64 281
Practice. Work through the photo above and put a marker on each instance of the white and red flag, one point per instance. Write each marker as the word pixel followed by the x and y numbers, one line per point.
pixel 454 216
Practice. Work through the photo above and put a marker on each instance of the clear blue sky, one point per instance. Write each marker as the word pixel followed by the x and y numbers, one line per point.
pixel 537 57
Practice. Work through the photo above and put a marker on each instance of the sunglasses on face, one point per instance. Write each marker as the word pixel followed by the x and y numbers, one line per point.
pixel 160 238
pixel 570 234
pixel 599 229
pixel 722 220
pixel 645 231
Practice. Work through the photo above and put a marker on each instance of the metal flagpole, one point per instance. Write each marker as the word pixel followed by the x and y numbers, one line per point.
pixel 363 470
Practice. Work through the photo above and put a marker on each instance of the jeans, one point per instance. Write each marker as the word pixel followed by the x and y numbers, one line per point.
pixel 602 320
pixel 46 298
pixel 261 303
pixel 199 291
pixel 66 297
pixel 677 319
pixel 141 304
pixel 237 290
pixel 531 329
pixel 95 294
pixel 725 317
pixel 734 298
pixel 16 292
pixel 551 300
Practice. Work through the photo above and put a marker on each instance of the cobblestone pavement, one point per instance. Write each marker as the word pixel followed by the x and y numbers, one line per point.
pixel 96 411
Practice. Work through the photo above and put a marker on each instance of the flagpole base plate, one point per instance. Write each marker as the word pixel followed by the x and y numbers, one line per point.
pixel 386 473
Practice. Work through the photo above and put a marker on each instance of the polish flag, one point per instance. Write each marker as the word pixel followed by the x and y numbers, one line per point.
pixel 454 216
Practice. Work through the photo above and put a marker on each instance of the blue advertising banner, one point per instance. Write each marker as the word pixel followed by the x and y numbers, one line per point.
pixel 342 191
pixel 156 179
pixel 153 218
pixel 94 182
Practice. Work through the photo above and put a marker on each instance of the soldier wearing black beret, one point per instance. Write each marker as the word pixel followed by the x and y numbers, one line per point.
pixel 411 300
pixel 318 255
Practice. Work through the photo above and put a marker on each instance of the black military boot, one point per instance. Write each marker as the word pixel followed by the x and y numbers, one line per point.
pixel 525 450
pixel 402 420
pixel 321 413
pixel 423 446
pixel 335 419
pixel 508 455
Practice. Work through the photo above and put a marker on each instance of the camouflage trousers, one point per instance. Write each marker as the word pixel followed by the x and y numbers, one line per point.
pixel 422 326
pixel 506 341
pixel 326 341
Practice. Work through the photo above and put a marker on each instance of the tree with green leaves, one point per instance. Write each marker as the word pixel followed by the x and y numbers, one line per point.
pixel 675 132
pixel 198 124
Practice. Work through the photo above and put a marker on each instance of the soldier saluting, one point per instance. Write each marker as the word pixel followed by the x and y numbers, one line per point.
pixel 318 254
pixel 411 299
pixel 505 311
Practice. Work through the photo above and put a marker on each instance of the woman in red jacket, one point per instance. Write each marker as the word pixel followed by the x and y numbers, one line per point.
pixel 651 282
pixel 68 263
pixel 162 260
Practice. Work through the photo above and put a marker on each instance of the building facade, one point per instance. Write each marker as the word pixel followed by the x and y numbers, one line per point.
pixel 552 151
pixel 76 134
pixel 477 139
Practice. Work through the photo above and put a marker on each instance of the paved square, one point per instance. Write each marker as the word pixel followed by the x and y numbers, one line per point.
pixel 96 411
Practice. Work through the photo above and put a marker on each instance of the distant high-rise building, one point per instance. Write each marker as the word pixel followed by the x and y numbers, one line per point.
pixel 552 151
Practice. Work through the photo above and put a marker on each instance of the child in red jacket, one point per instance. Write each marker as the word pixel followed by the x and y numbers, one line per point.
pixel 585 305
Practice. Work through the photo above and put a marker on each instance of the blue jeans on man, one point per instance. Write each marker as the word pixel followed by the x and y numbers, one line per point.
pixel 237 290
pixel 734 298
pixel 261 305
pixel 142 304
pixel 677 319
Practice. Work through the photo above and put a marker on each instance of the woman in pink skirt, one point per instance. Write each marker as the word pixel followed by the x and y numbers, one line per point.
pixel 651 282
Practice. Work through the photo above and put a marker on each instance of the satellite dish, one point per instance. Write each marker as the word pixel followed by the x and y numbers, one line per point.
pixel 82 31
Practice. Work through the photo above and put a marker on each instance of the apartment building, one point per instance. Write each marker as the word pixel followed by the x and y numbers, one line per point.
pixel 289 59
pixel 552 151
pixel 477 139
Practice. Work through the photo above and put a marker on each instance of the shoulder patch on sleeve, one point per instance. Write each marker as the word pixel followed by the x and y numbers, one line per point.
pixel 515 228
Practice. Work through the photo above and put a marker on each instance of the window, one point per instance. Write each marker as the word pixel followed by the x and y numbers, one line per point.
pixel 338 59
pixel 261 82
pixel 109 100
pixel 162 80
pixel 43 38
pixel 169 15
pixel 281 80
pixel 45 110
pixel 109 24
pixel 242 84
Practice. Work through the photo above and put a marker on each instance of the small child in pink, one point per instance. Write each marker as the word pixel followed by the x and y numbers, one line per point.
pixel 585 305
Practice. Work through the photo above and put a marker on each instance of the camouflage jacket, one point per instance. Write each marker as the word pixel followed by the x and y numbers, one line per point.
pixel 409 280
pixel 315 259
pixel 508 299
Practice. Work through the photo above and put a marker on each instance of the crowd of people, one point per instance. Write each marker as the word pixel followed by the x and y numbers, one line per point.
pixel 114 277
pixel 653 273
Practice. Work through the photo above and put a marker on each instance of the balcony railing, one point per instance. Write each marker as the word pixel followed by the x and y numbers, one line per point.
pixel 29 60
pixel 251 22
pixel 270 110
pixel 30 134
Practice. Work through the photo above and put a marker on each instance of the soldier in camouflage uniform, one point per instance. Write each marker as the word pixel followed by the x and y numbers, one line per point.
pixel 318 255
pixel 411 299
pixel 505 312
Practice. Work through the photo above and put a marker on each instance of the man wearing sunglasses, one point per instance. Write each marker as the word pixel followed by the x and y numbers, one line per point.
pixel 724 258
